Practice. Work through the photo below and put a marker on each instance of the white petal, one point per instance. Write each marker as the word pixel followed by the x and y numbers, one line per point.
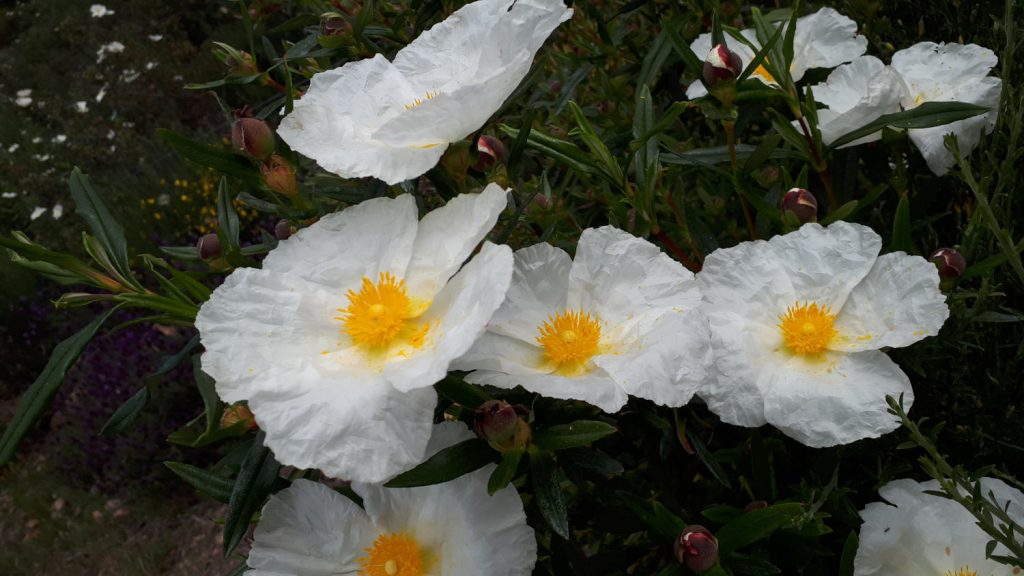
pixel 448 235
pixel 857 94
pixel 825 39
pixel 934 71
pixel 668 363
pixel 540 286
pixel 617 276
pixel 447 434
pixel 498 353
pixel 836 399
pixel 896 304
pixel 931 141
pixel 457 317
pixel 824 264
pixel 341 249
pixel 744 366
pixel 594 387
pixel 311 530
pixel 749 280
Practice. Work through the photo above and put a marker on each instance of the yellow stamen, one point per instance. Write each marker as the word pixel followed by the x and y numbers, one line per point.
pixel 417 102
pixel 380 313
pixel 965 571
pixel 807 328
pixel 394 554
pixel 569 339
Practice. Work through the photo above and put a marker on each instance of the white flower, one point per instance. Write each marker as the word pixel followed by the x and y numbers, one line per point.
pixel 59 139
pixel 394 120
pixel 23 101
pixel 949 72
pixel 13 148
pixel 454 529
pixel 337 340
pixel 24 93
pixel 9 195
pixel 824 39
pixel 99 11
pixel 81 106
pixel 114 47
pixel 797 324
pixel 150 65
pixel 622 318
pixel 855 95
pixel 37 212
pixel 919 534
pixel 57 211
pixel 130 75
pixel 101 94
pixel 155 37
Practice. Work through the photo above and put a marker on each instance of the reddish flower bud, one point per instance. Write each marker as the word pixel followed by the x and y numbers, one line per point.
pixel 801 203
pixel 208 247
pixel 489 151
pixel 253 138
pixel 238 413
pixel 283 230
pixel 495 421
pixel 333 25
pixel 279 176
pixel 950 262
pixel 721 65
pixel 755 505
pixel 697 548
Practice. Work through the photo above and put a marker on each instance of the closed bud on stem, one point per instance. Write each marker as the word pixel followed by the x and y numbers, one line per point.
pixel 489 150
pixel 253 138
pixel 802 204
pixel 279 176
pixel 238 413
pixel 697 548
pixel 209 247
pixel 283 230
pixel 722 65
pixel 950 262
pixel 334 24
pixel 499 423
pixel 239 62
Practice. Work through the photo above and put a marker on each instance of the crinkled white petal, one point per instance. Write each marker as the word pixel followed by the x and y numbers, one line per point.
pixel 825 39
pixel 918 533
pixel 499 353
pixel 835 398
pixel 467 531
pixel 824 264
pixel 540 287
pixel 744 365
pixel 931 141
pixel 895 305
pixel 341 249
pixel 748 279
pixel 857 94
pixel 457 317
pixel 594 387
pixel 448 235
pixel 308 529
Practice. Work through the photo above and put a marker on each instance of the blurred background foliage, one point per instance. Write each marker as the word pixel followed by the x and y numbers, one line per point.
pixel 696 469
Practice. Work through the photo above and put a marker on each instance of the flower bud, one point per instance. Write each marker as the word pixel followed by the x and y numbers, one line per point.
pixel 334 25
pixel 802 204
pixel 238 413
pixel 755 505
pixel 208 247
pixel 721 65
pixel 279 176
pixel 950 262
pixel 283 230
pixel 489 151
pixel 495 421
pixel 253 138
pixel 697 548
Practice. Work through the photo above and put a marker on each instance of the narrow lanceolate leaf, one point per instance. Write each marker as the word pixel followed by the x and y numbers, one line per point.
pixel 38 396
pixel 219 159
pixel 927 115
pixel 901 239
pixel 505 471
pixel 108 232
pixel 661 520
pixel 756 525
pixel 447 464
pixel 252 487
pixel 548 491
pixel 125 415
pixel 579 433
pixel 216 487
pixel 227 218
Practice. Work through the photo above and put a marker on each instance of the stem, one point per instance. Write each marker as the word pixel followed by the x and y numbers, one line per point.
pixel 730 134
pixel 819 165
pixel 682 224
pixel 1005 242
pixel 675 250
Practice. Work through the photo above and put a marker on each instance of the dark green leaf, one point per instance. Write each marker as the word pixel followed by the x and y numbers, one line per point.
pixel 38 396
pixel 219 159
pixel 849 553
pixel 927 115
pixel 505 471
pixel 255 479
pixel 720 155
pixel 217 487
pixel 108 232
pixel 756 525
pixel 579 433
pixel 590 460
pixel 705 457
pixel 548 491
pixel 661 520
pixel 125 415
pixel 901 239
pixel 447 464
pixel 227 218
pixel 461 392
pixel 841 212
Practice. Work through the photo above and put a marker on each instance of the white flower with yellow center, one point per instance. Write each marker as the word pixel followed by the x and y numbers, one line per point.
pixel 855 95
pixel 622 318
pixel 824 39
pixel 450 529
pixel 797 325
pixel 336 342
pixel 394 120
pixel 918 534
pixel 949 72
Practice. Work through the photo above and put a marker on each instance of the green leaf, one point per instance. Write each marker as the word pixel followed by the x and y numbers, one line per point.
pixel 661 520
pixel 756 525
pixel 548 491
pixel 927 115
pixel 461 392
pixel 849 553
pixel 579 433
pixel 841 212
pixel 590 460
pixel 255 478
pixel 561 150
pixel 720 155
pixel 107 231
pixel 38 396
pixel 123 417
pixel 185 253
pixel 447 464
pixel 217 487
pixel 705 457
pixel 505 471
pixel 219 159
pixel 901 239
pixel 227 218
pixel 597 147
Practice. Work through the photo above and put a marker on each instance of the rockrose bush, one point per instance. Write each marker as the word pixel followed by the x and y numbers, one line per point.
pixel 611 288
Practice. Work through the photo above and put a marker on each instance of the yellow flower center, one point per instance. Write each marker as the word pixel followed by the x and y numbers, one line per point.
pixel 965 571
pixel 569 339
pixel 380 313
pixel 392 555
pixel 807 328
pixel 417 102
